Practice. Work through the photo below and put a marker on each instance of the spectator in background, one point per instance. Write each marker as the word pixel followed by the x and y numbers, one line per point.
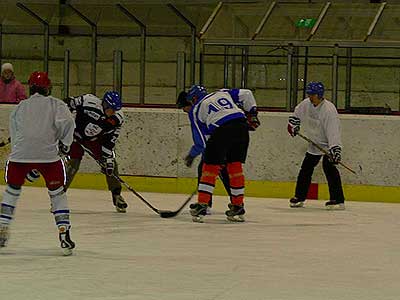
pixel 11 90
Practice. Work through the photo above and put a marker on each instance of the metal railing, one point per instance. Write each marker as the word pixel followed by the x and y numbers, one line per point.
pixel 237 54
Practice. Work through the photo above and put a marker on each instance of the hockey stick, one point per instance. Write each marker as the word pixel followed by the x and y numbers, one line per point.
pixel 162 213
pixel 324 151
pixel 5 143
pixel 171 214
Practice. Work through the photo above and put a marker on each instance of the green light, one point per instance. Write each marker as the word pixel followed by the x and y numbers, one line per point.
pixel 306 22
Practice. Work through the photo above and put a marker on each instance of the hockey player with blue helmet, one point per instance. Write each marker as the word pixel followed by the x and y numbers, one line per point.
pixel 98 125
pixel 221 133
pixel 315 88
pixel 322 123
pixel 112 100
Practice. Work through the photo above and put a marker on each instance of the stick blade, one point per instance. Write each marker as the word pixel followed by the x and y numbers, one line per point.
pixel 167 213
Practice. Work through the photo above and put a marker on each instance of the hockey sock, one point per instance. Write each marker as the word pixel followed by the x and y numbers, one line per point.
pixel 59 206
pixel 10 197
pixel 236 181
pixel 207 182
pixel 113 184
pixel 71 167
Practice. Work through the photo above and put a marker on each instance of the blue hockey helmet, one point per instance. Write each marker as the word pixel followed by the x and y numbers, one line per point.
pixel 315 88
pixel 113 100
pixel 197 91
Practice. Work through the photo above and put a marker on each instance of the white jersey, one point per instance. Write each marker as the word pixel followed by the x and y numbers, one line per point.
pixel 321 123
pixel 37 125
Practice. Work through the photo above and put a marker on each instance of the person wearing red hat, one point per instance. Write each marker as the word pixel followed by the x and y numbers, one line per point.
pixel 41 130
pixel 11 90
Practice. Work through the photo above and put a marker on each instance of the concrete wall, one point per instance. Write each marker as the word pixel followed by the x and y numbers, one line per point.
pixel 153 142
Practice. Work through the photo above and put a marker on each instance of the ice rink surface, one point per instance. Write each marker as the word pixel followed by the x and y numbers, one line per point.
pixel 279 253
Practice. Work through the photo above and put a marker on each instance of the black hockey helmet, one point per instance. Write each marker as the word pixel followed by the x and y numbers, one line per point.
pixel 182 101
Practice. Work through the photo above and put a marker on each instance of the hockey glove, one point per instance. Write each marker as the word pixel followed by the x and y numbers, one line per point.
pixel 63 150
pixel 189 160
pixel 252 120
pixel 33 175
pixel 293 126
pixel 108 166
pixel 335 154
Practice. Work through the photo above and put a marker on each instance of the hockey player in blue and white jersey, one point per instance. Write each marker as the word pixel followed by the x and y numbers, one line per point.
pixel 322 123
pixel 220 128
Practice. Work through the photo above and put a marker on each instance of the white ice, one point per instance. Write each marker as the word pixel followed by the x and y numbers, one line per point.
pixel 280 253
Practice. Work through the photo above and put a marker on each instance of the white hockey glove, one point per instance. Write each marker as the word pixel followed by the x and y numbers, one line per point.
pixel 108 165
pixel 335 154
pixel 293 126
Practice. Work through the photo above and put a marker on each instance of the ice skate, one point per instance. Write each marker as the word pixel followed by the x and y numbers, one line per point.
pixel 334 205
pixel 198 211
pixel 209 211
pixel 235 213
pixel 119 203
pixel 66 243
pixel 296 202
pixel 4 235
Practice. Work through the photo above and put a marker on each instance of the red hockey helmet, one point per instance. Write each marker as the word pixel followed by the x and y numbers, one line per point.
pixel 40 80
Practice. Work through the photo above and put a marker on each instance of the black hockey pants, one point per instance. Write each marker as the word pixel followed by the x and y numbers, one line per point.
pixel 331 173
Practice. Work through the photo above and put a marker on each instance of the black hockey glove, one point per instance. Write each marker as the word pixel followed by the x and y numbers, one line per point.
pixel 189 160
pixel 335 154
pixel 293 126
pixel 252 120
pixel 63 149
pixel 33 175
pixel 108 166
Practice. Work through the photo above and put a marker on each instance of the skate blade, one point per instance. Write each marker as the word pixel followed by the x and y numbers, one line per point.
pixel 198 219
pixel 67 251
pixel 120 209
pixel 237 218
pixel 336 207
pixel 296 205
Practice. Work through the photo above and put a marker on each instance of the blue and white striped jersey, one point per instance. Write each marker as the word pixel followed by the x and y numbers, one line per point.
pixel 216 109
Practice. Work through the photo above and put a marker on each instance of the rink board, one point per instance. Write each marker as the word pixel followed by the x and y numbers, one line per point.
pixel 262 189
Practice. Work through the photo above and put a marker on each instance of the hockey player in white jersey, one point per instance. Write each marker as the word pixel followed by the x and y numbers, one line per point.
pixel 322 123
pixel 98 125
pixel 220 128
pixel 41 127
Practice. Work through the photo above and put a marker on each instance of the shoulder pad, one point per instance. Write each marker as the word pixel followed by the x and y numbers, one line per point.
pixel 91 101
pixel 115 120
